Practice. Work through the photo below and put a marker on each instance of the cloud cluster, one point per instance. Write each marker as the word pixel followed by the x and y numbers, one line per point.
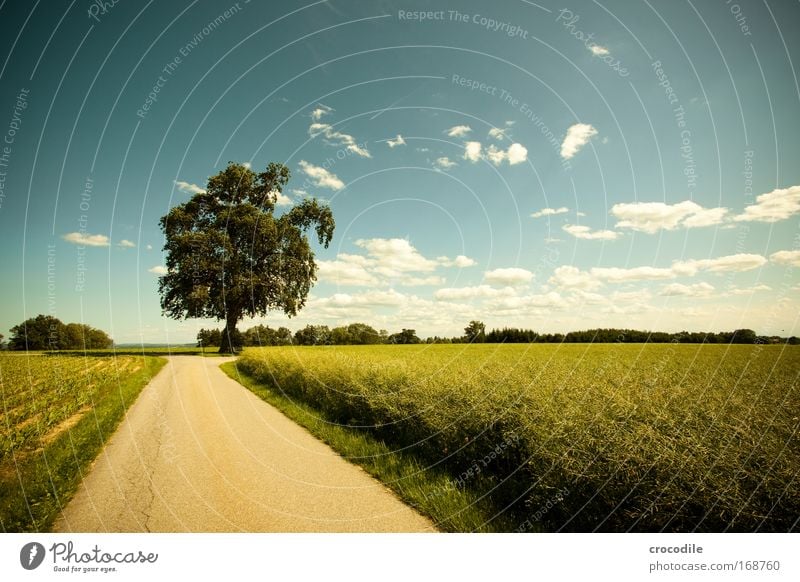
pixel 387 261
pixel 773 206
pixel 515 154
pixel 791 258
pixel 568 276
pixel 650 217
pixel 510 276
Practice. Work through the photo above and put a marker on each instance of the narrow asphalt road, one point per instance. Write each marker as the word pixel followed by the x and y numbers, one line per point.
pixel 198 452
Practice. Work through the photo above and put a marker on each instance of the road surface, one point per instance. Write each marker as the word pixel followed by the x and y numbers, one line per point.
pixel 198 452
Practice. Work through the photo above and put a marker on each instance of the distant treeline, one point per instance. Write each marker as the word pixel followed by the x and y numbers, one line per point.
pixel 310 335
pixel 45 332
pixel 475 332
pixel 613 335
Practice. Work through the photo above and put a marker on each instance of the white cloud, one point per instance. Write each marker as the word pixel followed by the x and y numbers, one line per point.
pixel 247 165
pixel 516 154
pixel 786 258
pixel 388 261
pixel 320 111
pixel 650 217
pixel 299 192
pixel 495 155
pixel 149 247
pixel 527 304
pixel 579 231
pixel 86 240
pixel 392 143
pixel 395 255
pixel 578 135
pixel 337 138
pixel 126 244
pixel 599 51
pixel 694 290
pixel 472 151
pixel 549 212
pixel 621 275
pixel 731 263
pixel 510 276
pixel 459 131
pixel 346 270
pixel 158 270
pixel 474 292
pixel 188 187
pixel 321 177
pixel 750 290
pixel 282 199
pixel 390 298
pixel 444 163
pixel 499 133
pixel 772 206
pixel 462 262
pixel 706 217
pixel 569 277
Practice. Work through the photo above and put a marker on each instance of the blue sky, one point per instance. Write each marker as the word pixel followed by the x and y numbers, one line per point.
pixel 528 164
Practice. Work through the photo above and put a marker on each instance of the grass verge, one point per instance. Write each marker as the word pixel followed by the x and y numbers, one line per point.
pixel 37 484
pixel 430 491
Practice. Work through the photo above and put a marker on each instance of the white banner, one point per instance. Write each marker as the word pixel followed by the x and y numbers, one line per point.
pixel 389 557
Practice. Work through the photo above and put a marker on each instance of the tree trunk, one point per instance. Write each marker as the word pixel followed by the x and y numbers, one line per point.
pixel 227 345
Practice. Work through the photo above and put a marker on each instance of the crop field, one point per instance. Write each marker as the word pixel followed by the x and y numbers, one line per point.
pixel 569 437
pixel 57 411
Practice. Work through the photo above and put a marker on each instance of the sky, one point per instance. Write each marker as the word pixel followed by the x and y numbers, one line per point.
pixel 540 165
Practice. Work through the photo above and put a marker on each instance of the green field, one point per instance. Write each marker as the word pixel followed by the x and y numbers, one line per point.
pixel 57 412
pixel 563 437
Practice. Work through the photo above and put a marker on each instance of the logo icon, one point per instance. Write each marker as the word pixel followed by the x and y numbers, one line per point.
pixel 31 555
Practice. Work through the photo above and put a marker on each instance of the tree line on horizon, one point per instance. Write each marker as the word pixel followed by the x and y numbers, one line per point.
pixel 45 332
pixel 475 332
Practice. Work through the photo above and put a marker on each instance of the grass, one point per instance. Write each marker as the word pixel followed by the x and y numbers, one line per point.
pixel 58 411
pixel 604 437
pixel 431 491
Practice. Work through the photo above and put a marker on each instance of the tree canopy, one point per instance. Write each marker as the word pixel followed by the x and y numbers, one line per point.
pixel 45 332
pixel 229 255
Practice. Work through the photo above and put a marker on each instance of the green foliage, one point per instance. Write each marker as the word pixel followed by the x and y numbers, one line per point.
pixel 313 335
pixel 59 412
pixel 406 336
pixel 475 332
pixel 631 437
pixel 45 332
pixel 229 256
pixel 263 335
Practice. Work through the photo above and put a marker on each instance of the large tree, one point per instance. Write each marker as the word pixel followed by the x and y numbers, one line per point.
pixel 475 332
pixel 229 256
